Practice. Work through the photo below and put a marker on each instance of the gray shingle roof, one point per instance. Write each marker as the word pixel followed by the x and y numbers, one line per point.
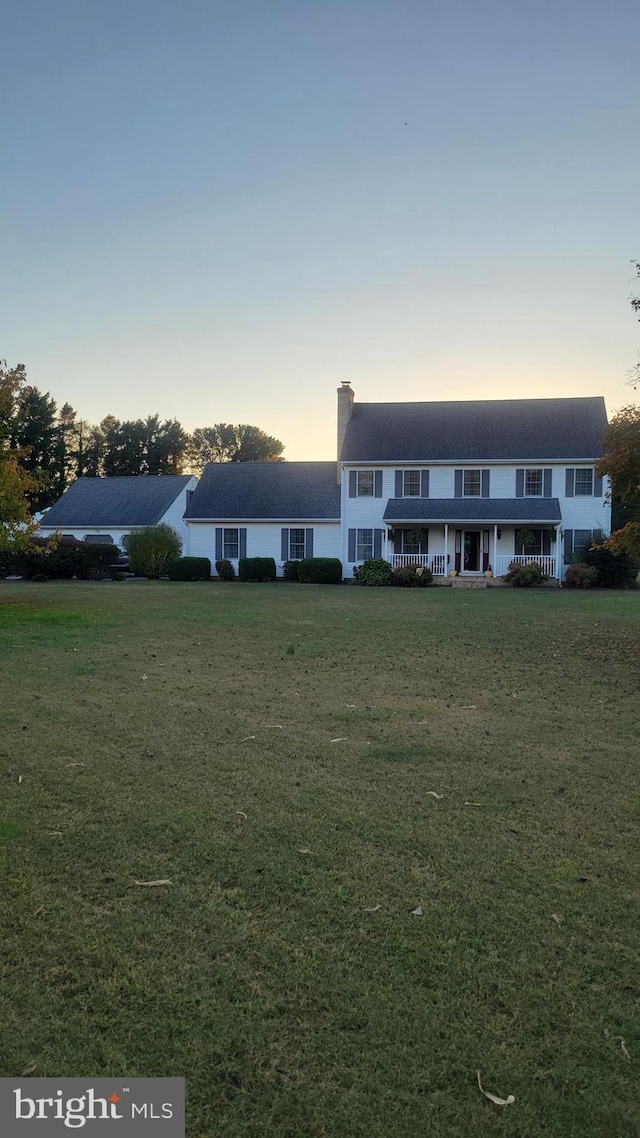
pixel 493 429
pixel 490 510
pixel 282 490
pixel 115 501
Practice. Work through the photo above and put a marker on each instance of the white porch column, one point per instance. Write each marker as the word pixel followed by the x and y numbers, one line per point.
pixel 558 552
pixel 495 550
pixel 446 549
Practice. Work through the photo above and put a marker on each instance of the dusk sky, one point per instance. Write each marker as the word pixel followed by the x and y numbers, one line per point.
pixel 218 211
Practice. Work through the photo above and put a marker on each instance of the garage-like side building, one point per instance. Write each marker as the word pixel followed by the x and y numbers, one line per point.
pixel 106 510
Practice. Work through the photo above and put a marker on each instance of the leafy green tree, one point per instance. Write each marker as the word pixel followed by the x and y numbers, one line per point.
pixel 34 434
pixel 621 460
pixel 16 524
pixel 151 550
pixel 143 446
pixel 225 442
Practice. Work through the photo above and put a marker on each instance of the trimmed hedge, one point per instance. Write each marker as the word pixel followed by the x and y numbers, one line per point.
pixel 63 559
pixel 615 570
pixel 190 569
pixel 581 576
pixel 320 571
pixel 152 549
pixel 525 576
pixel 375 571
pixel 225 570
pixel 257 569
pixel 412 577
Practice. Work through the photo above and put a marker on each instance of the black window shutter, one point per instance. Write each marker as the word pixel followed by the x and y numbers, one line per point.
pixel 353 483
pixel 284 544
pixel 424 484
pixel 547 483
pixel 519 483
pixel 568 545
pixel 308 545
pixel 399 489
pixel 516 542
pixel 377 481
pixel 218 543
pixel 352 545
pixel 546 541
pixel 458 484
pixel 570 478
pixel 486 475
pixel 397 541
pixel 425 541
pixel 377 541
pixel 597 485
pixel 243 542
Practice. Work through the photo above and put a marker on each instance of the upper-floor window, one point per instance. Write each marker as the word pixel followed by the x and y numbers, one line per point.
pixel 471 483
pixel 411 484
pixel 583 485
pixel 230 544
pixel 365 483
pixel 533 483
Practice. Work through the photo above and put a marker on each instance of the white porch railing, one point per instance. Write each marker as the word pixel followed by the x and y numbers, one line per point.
pixel 546 561
pixel 434 562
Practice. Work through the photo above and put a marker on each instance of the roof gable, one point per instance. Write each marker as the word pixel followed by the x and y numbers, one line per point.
pixel 278 490
pixel 135 501
pixel 480 430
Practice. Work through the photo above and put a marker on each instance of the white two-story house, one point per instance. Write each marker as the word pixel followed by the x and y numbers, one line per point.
pixel 470 485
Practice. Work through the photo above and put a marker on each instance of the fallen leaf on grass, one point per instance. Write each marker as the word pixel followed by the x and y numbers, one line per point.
pixel 145 677
pixel 417 912
pixel 623 1048
pixel 241 813
pixel 20 777
pixel 469 707
pixel 278 725
pixel 495 1098
pixel 39 911
pixel 305 851
pixel 161 881
pixel 246 738
pixel 434 795
pixel 374 910
pixel 556 918
pixel 55 833
pixel 340 739
pixel 350 705
pixel 473 804
pixel 28 1070
pixel 74 764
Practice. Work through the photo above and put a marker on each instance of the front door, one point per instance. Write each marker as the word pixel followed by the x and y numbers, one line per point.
pixel 471 551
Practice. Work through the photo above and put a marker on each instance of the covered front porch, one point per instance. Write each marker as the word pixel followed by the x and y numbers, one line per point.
pixel 474 537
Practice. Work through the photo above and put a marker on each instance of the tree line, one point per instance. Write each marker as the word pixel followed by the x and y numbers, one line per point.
pixel 53 447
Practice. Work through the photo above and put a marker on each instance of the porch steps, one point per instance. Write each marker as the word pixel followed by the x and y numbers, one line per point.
pixel 469 583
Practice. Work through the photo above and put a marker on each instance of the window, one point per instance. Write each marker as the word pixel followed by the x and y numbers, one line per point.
pixel 99 539
pixel 533 483
pixel 365 484
pixel 411 484
pixel 532 544
pixel 471 484
pixel 296 544
pixel 415 541
pixel 230 544
pixel 583 486
pixel 582 539
pixel 364 544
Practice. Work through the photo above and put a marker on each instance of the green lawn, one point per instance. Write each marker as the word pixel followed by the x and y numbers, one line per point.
pixel 270 750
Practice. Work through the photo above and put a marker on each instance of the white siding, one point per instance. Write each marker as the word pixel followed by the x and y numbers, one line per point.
pixel 264 539
pixel 174 516
pixel 367 513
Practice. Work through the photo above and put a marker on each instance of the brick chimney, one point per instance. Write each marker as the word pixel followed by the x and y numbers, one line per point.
pixel 345 407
